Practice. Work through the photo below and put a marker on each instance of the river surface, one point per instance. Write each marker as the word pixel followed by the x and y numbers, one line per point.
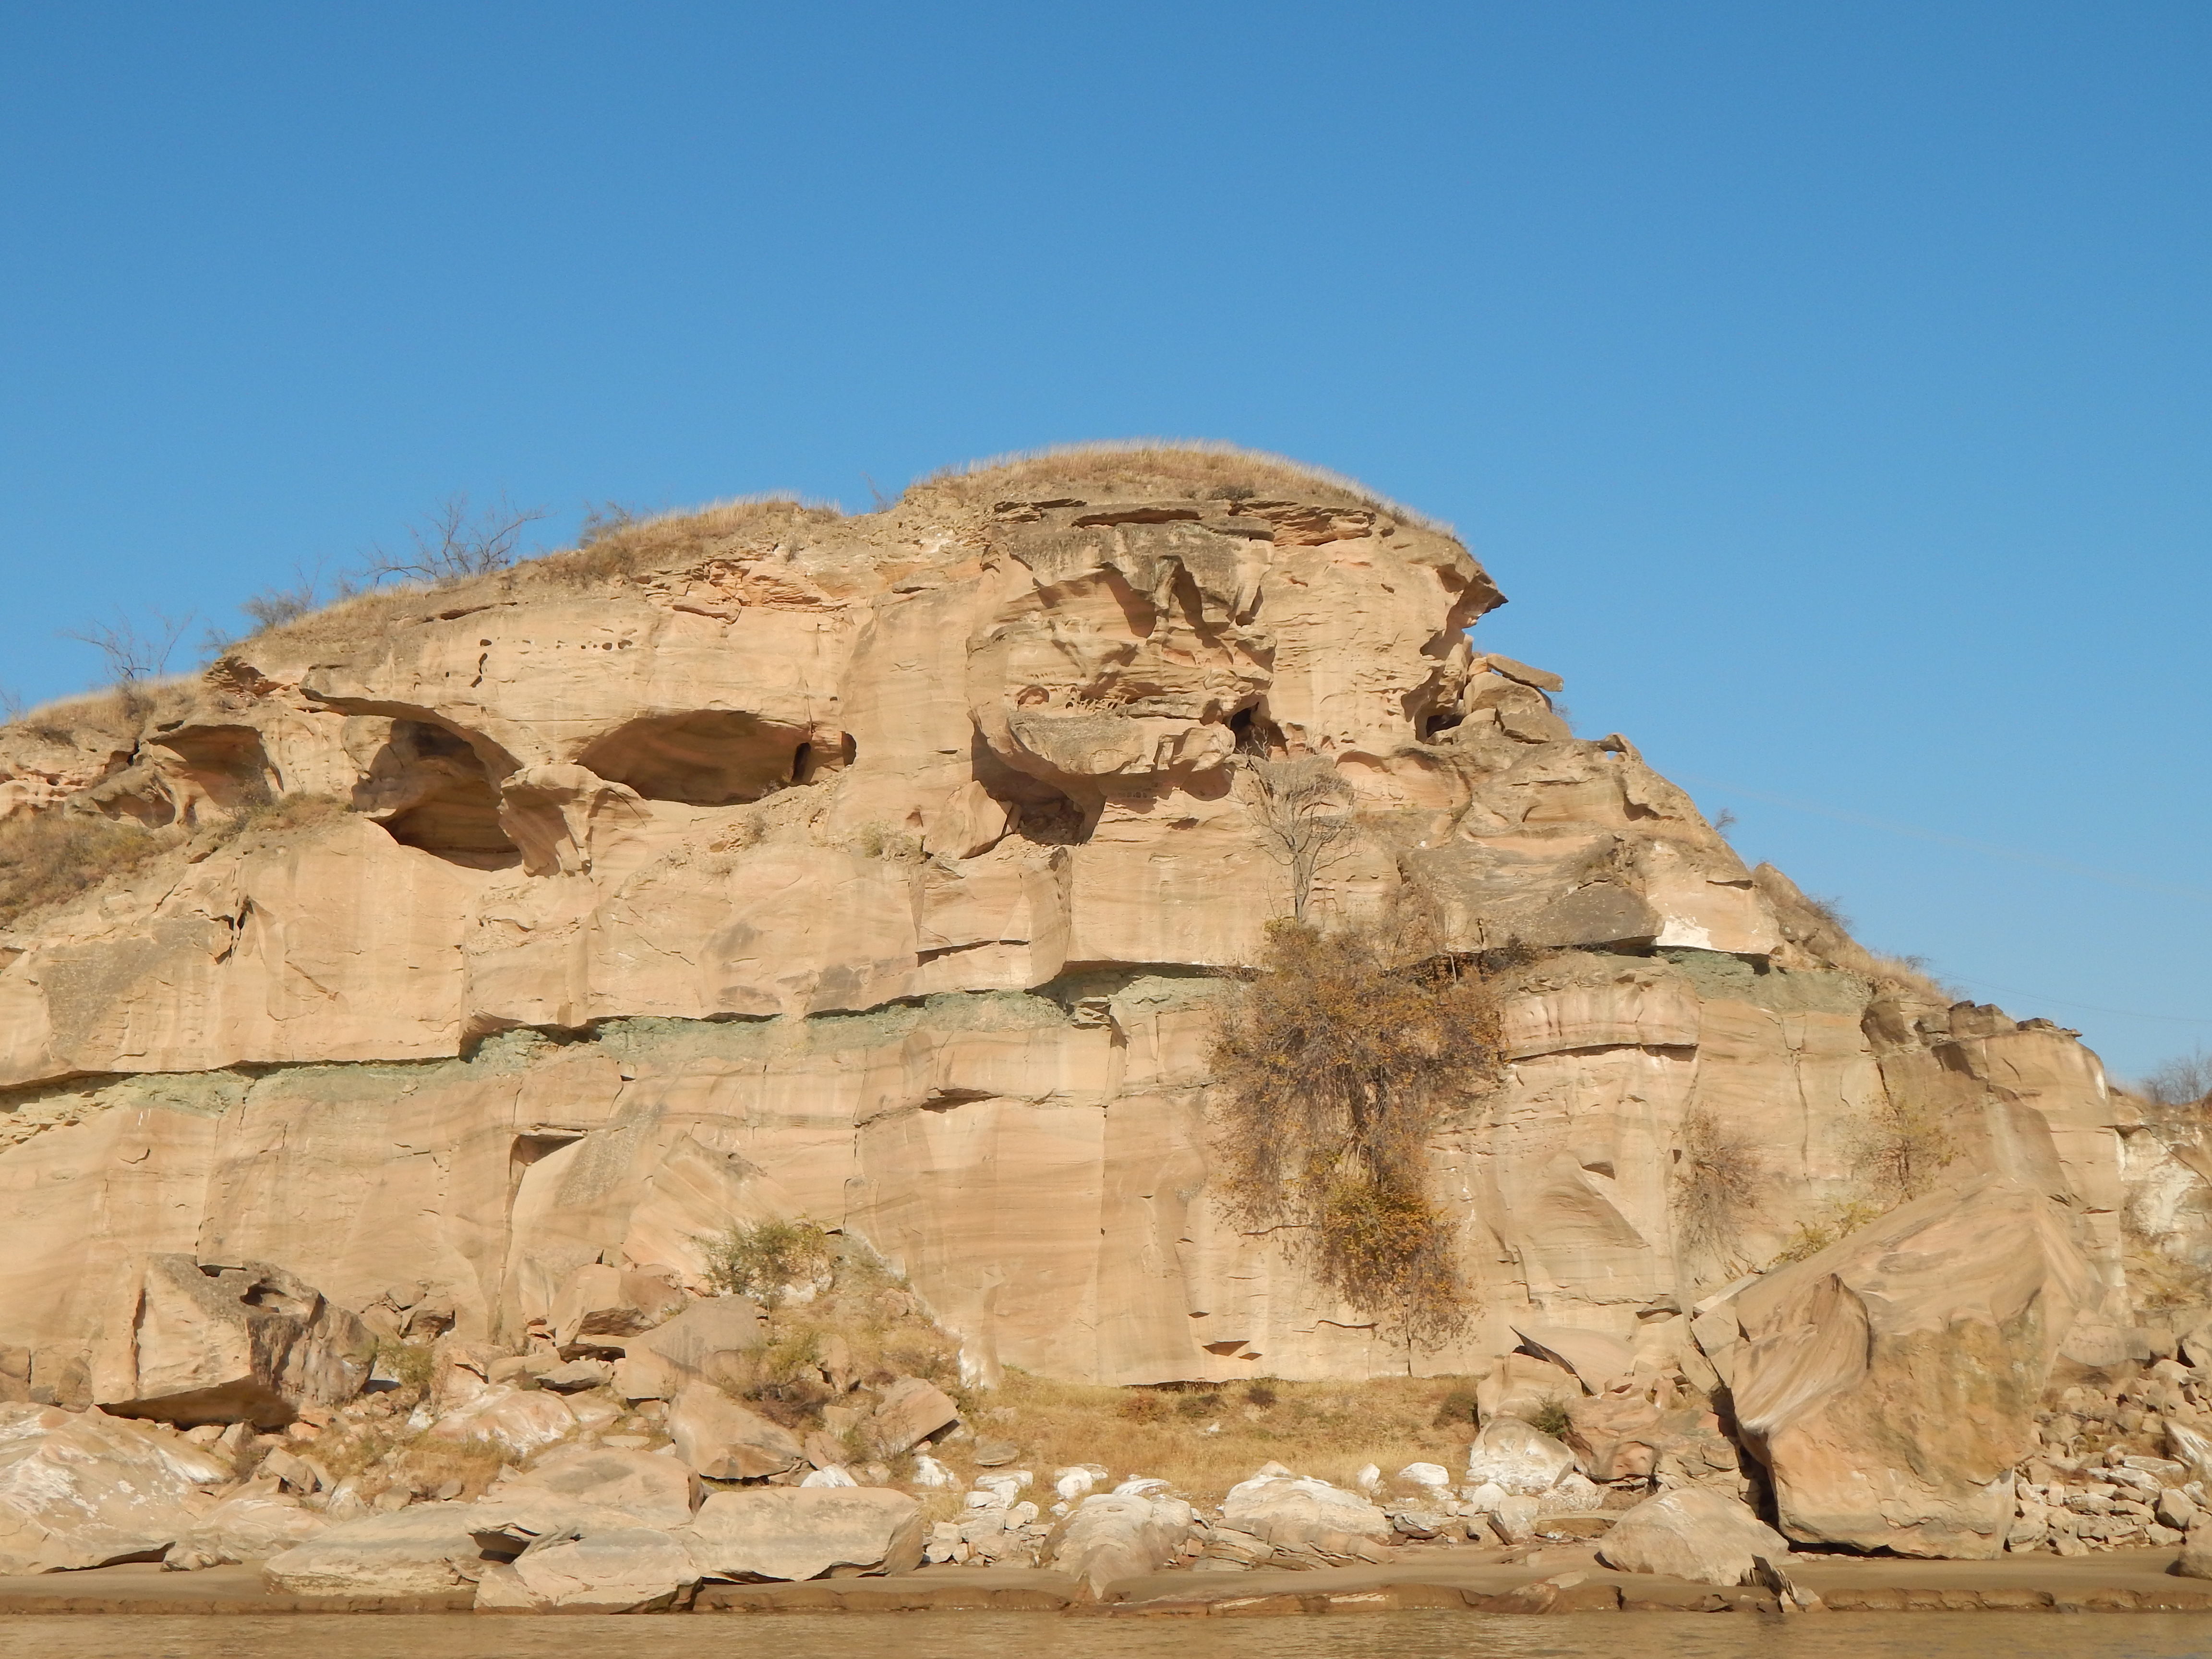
pixel 1045 1636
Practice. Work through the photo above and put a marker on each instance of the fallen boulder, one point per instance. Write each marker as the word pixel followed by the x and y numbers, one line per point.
pixel 1521 1385
pixel 709 1341
pixel 1517 1457
pixel 521 1420
pixel 724 1441
pixel 909 1413
pixel 1695 1533
pixel 1294 1512
pixel 1112 1535
pixel 622 1570
pixel 208 1342
pixel 83 1489
pixel 796 1533
pixel 1890 1382
pixel 598 1301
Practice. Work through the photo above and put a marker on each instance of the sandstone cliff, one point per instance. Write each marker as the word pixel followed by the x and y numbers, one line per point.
pixel 883 870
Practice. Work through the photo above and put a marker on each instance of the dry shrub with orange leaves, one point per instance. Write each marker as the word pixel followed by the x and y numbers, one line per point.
pixel 1334 1066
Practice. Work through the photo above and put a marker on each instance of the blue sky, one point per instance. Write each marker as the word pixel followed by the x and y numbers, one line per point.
pixel 1829 387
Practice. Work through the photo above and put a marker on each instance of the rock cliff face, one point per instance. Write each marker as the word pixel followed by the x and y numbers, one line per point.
pixel 883 870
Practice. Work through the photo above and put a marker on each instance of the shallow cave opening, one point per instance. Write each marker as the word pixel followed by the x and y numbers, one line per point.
pixel 451 810
pixel 1433 726
pixel 1041 813
pixel 1257 737
pixel 708 757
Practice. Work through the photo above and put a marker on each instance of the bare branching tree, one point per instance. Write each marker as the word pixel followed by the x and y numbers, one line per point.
pixel 1304 810
pixel 2182 1082
pixel 133 654
pixel 454 541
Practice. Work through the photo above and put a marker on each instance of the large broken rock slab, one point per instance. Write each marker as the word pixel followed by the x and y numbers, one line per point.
pixel 1890 1382
pixel 803 1532
pixel 210 1342
pixel 427 1549
pixel 724 1441
pixel 618 1570
pixel 1691 1533
pixel 653 1489
pixel 249 1526
pixel 83 1489
pixel 1114 1535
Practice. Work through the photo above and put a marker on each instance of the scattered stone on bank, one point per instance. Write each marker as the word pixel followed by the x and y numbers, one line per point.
pixel 427 1549
pixel 655 1491
pixel 1517 1458
pixel 520 1421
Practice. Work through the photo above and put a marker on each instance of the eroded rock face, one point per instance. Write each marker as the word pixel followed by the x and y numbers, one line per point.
pixel 1890 1382
pixel 882 870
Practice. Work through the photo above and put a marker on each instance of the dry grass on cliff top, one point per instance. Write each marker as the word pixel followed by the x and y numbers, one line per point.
pixel 1328 1429
pixel 1146 468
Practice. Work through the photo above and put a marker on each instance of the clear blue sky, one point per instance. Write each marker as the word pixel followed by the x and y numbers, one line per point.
pixel 1827 385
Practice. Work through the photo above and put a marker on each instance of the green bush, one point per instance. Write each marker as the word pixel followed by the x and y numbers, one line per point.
pixel 765 1259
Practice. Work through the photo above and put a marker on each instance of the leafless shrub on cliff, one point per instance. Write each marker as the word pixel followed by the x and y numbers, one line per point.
pixel 2184 1081
pixel 453 541
pixel 1334 1067
pixel 1303 808
pixel 133 654
pixel 1900 1148
pixel 1719 1180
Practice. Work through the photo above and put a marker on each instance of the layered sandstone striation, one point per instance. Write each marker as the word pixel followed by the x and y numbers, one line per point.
pixel 884 870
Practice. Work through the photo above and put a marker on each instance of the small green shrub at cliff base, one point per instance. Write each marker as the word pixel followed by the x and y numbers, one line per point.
pixel 1332 1069
pixel 1552 1418
pixel 765 1259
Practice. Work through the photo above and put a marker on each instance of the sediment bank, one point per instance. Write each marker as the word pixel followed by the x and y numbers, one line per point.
pixel 1555 1582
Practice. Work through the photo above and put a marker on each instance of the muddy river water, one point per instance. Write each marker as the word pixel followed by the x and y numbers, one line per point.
pixel 1034 1636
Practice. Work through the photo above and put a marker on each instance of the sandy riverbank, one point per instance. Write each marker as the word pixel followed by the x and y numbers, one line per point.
pixel 1553 1580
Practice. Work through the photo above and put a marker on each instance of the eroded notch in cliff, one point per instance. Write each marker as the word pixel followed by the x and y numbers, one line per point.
pixel 428 789
pixel 708 756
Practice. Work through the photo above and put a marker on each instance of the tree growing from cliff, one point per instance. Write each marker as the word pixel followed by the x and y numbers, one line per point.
pixel 1718 1180
pixel 1304 810
pixel 1335 1066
